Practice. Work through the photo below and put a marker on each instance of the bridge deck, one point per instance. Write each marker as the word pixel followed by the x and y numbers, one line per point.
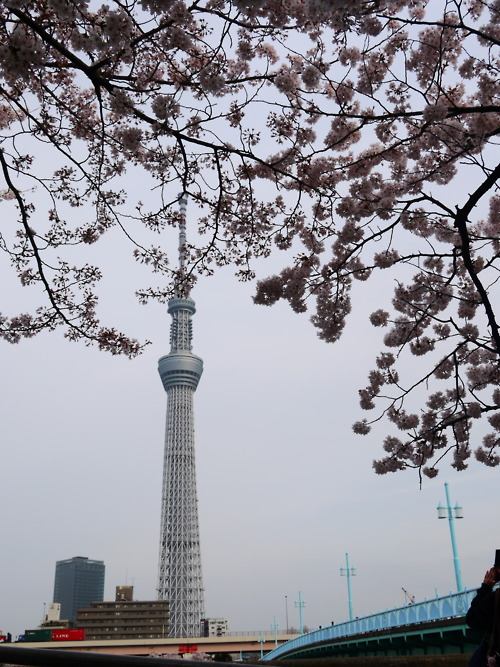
pixel 166 646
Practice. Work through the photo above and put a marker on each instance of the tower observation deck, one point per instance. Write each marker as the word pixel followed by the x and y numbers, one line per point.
pixel 180 576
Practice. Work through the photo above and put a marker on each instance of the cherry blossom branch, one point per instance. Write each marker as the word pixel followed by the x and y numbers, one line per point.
pixel 448 26
pixel 106 338
pixel 461 220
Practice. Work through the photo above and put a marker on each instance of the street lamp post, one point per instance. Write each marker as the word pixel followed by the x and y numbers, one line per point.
pixel 286 612
pixel 300 604
pixel 348 572
pixel 452 513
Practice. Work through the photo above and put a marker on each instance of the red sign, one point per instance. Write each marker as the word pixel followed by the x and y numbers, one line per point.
pixel 188 648
pixel 68 635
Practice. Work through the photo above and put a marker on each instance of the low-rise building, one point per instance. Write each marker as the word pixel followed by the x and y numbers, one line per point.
pixel 125 618
pixel 52 617
pixel 214 627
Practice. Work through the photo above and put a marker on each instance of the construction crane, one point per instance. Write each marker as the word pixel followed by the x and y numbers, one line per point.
pixel 409 598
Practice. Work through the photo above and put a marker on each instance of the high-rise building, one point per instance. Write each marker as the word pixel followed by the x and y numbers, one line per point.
pixel 180 577
pixel 78 582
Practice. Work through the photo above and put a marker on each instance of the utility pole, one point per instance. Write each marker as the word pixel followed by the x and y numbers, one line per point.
pixel 274 628
pixel 452 513
pixel 300 604
pixel 261 641
pixel 348 572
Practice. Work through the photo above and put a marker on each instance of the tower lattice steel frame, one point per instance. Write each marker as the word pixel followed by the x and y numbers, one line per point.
pixel 180 576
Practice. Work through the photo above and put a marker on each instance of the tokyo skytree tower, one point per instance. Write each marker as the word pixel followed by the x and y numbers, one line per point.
pixel 180 578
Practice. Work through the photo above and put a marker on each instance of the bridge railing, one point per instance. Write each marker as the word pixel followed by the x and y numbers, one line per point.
pixel 448 606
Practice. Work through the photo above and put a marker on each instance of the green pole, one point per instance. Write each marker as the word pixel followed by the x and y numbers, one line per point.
pixel 348 572
pixel 274 628
pixel 300 605
pixel 349 592
pixel 451 522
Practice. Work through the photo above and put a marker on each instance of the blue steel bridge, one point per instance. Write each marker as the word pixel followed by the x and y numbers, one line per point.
pixel 434 626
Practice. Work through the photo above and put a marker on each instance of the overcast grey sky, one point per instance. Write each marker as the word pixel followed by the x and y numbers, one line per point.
pixel 285 487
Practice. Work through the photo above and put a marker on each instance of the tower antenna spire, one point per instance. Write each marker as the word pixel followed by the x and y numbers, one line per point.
pixel 182 243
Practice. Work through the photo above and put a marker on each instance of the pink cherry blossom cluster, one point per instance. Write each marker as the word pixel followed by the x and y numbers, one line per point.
pixel 355 136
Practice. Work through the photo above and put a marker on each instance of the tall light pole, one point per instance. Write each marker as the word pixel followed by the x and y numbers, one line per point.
pixel 300 604
pixel 286 612
pixel 452 513
pixel 348 572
